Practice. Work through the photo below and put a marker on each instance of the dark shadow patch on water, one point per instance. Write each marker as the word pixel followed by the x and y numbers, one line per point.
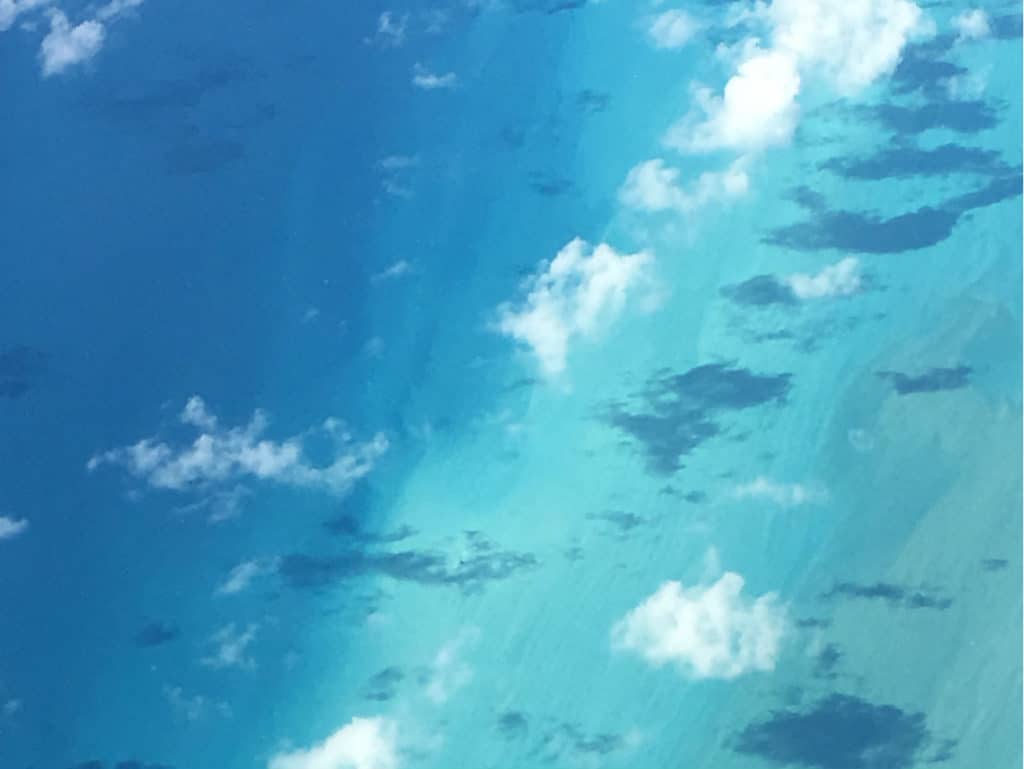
pixel 961 115
pixel 902 161
pixel 21 368
pixel 157 634
pixel 932 380
pixel 203 156
pixel 994 564
pixel 569 739
pixel 871 233
pixel 383 685
pixel 590 101
pixel 680 412
pixel 426 567
pixel 622 523
pixel 894 595
pixel 759 291
pixel 827 661
pixel 513 725
pixel 1006 26
pixel 838 732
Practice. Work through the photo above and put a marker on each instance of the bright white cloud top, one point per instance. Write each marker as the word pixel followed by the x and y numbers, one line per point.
pixel 222 455
pixel 12 527
pixel 577 294
pixel 672 29
pixel 706 631
pixel 362 743
pixel 847 43
pixel 839 279
pixel 67 45
pixel 429 81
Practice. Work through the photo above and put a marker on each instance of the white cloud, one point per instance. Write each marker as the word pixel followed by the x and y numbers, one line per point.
pixel 757 109
pixel 839 279
pixel 230 646
pixel 362 743
pixel 706 631
pixel 193 707
pixel 782 494
pixel 449 672
pixel 391 29
pixel 652 186
pixel 848 43
pixel 222 455
pixel 10 10
pixel 115 8
pixel 11 527
pixel 429 81
pixel 396 270
pixel 672 29
pixel 972 25
pixel 66 45
pixel 242 575
pixel 573 295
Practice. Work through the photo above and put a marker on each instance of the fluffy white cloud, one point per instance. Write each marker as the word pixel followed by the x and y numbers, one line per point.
pixel 220 456
pixel 706 631
pixel 449 672
pixel 757 109
pixel 10 10
pixel 972 25
pixel 848 43
pixel 66 45
pixel 230 647
pixel 839 279
pixel 573 295
pixel 782 494
pixel 11 527
pixel 429 81
pixel 672 29
pixel 652 186
pixel 242 575
pixel 362 743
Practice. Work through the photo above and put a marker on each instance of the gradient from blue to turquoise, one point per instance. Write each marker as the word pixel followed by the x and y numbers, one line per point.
pixel 201 209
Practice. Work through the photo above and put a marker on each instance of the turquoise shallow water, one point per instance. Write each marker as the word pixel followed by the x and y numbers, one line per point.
pixel 256 204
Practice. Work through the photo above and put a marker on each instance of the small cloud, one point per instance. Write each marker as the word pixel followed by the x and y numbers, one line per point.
pixel 66 45
pixel 11 707
pixel 193 707
pixel 672 29
pixel 116 8
pixel 362 743
pixel 230 645
pixel 706 631
pixel 449 672
pixel 242 575
pixel 429 81
pixel 839 279
pixel 391 29
pixel 399 269
pixel 972 24
pixel 781 494
pixel 12 527
pixel 653 187
pixel 574 295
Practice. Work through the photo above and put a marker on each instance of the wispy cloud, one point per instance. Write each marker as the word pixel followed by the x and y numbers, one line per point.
pixel 781 494
pixel 429 81
pixel 12 527
pixel 671 29
pixel 230 648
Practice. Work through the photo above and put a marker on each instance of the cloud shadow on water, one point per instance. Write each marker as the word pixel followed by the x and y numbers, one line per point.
pixel 680 412
pixel 838 732
pixel 933 380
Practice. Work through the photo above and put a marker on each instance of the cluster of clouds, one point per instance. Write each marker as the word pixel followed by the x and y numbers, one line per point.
pixel 576 294
pixel 223 456
pixel 706 631
pixel 66 44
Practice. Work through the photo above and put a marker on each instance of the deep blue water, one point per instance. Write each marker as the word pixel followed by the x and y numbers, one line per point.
pixel 260 204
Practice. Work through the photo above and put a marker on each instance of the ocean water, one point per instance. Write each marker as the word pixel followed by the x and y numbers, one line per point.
pixel 322 213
